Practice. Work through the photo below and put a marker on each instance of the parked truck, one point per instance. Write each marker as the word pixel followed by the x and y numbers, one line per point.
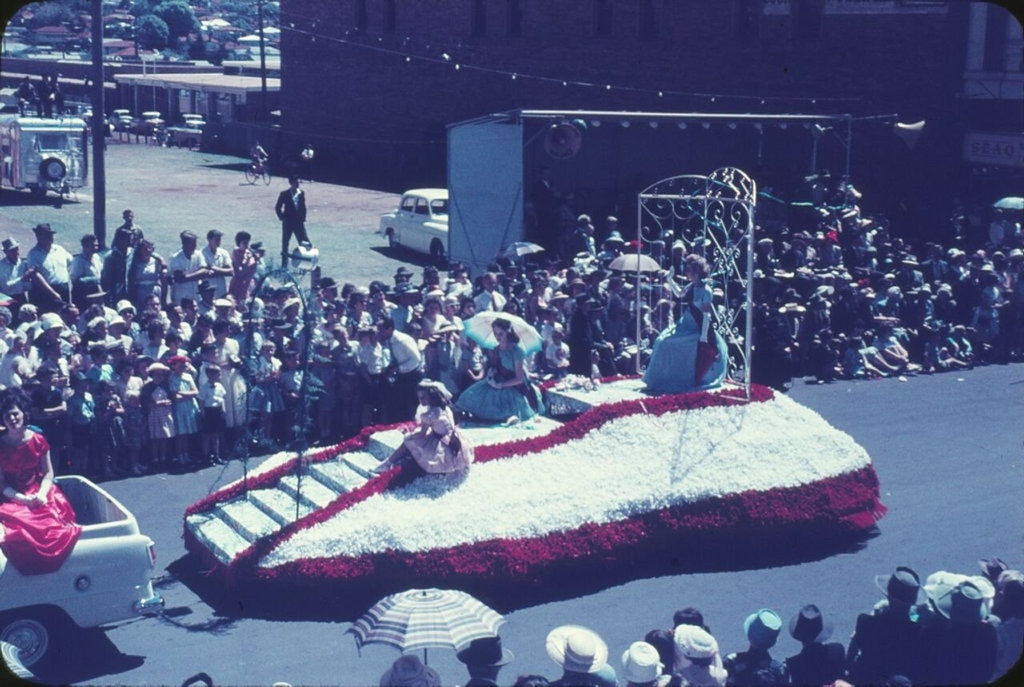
pixel 105 579
pixel 43 154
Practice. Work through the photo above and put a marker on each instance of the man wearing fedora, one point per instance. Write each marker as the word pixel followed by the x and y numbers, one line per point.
pixel 12 270
pixel 886 642
pixel 817 663
pixel 484 658
pixel 755 666
pixel 48 269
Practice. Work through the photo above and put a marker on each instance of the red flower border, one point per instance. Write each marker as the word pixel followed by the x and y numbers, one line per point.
pixel 840 505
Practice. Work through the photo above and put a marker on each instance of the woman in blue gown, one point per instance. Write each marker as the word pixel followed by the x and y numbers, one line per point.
pixel 689 355
pixel 505 394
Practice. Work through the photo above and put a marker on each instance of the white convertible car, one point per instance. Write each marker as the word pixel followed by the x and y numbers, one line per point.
pixel 420 223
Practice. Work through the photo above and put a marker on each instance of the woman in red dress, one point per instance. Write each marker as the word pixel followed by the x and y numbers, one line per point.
pixel 39 529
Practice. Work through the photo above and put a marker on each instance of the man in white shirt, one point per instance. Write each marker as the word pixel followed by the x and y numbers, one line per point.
pixel 48 265
pixel 218 259
pixel 402 362
pixel 489 298
pixel 187 268
pixel 12 269
pixel 86 268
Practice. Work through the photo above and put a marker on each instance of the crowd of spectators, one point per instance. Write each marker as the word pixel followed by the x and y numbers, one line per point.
pixel 137 362
pixel 949 629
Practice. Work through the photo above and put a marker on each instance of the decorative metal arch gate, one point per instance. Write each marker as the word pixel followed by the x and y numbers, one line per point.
pixel 712 216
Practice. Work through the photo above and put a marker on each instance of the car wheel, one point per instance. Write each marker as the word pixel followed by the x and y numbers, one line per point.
pixel 31 637
pixel 390 233
pixel 437 251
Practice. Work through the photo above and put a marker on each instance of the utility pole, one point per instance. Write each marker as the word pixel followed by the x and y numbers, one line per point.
pixel 263 63
pixel 99 129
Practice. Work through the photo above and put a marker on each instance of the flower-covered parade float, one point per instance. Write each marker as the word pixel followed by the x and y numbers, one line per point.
pixel 631 478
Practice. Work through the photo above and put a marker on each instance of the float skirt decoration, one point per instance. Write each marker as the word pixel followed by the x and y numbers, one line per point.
pixel 652 476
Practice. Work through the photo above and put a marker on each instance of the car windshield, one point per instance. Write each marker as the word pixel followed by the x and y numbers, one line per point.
pixel 53 141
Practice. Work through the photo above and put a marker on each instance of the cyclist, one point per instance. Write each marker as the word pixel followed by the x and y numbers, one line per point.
pixel 259 157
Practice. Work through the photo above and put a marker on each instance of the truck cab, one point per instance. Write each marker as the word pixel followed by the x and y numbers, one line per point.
pixel 44 154
pixel 105 580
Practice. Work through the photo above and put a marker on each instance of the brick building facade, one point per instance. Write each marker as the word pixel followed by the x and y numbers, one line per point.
pixel 374 83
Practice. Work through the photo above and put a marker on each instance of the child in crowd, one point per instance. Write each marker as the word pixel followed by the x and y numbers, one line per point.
pixel 183 391
pixel 159 411
pixel 471 364
pixel 110 429
pixel 556 353
pixel 211 398
pixel 81 412
pixel 291 392
pixel 135 431
pixel 370 355
pixel 268 403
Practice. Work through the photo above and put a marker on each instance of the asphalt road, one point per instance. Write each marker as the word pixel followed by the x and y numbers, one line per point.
pixel 948 451
pixel 171 190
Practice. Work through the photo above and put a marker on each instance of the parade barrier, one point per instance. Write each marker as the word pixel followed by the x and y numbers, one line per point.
pixel 627 480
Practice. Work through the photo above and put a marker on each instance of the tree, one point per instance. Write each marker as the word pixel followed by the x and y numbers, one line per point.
pixel 141 8
pixel 151 32
pixel 49 14
pixel 180 19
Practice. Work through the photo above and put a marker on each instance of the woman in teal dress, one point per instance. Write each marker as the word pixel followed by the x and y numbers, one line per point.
pixel 689 355
pixel 505 393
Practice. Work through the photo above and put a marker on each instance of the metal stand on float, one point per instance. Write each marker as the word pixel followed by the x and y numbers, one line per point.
pixel 270 299
pixel 712 216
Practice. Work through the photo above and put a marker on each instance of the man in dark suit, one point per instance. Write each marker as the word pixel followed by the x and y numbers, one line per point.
pixel 817 663
pixel 291 210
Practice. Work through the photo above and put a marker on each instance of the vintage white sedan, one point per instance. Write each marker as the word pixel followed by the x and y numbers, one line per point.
pixel 420 223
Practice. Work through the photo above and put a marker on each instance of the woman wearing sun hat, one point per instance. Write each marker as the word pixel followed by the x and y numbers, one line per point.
pixel 409 671
pixel 583 656
pixel 642 667
pixel 755 665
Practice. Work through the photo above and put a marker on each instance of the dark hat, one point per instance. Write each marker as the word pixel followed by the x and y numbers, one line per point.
pixel 809 625
pixel 404 273
pixel 10 244
pixel 328 283
pixel 486 651
pixel 903 585
pixel 44 227
pixel 205 285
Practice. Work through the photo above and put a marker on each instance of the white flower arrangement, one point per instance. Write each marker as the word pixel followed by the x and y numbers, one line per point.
pixel 631 465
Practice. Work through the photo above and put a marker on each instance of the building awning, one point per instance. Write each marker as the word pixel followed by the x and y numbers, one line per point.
pixel 209 82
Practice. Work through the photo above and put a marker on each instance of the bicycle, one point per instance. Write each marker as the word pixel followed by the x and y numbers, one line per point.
pixel 258 169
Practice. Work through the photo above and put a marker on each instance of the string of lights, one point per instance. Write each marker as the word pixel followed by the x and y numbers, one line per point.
pixel 446 55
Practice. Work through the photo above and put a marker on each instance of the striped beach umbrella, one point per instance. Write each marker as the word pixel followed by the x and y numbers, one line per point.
pixel 426 619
